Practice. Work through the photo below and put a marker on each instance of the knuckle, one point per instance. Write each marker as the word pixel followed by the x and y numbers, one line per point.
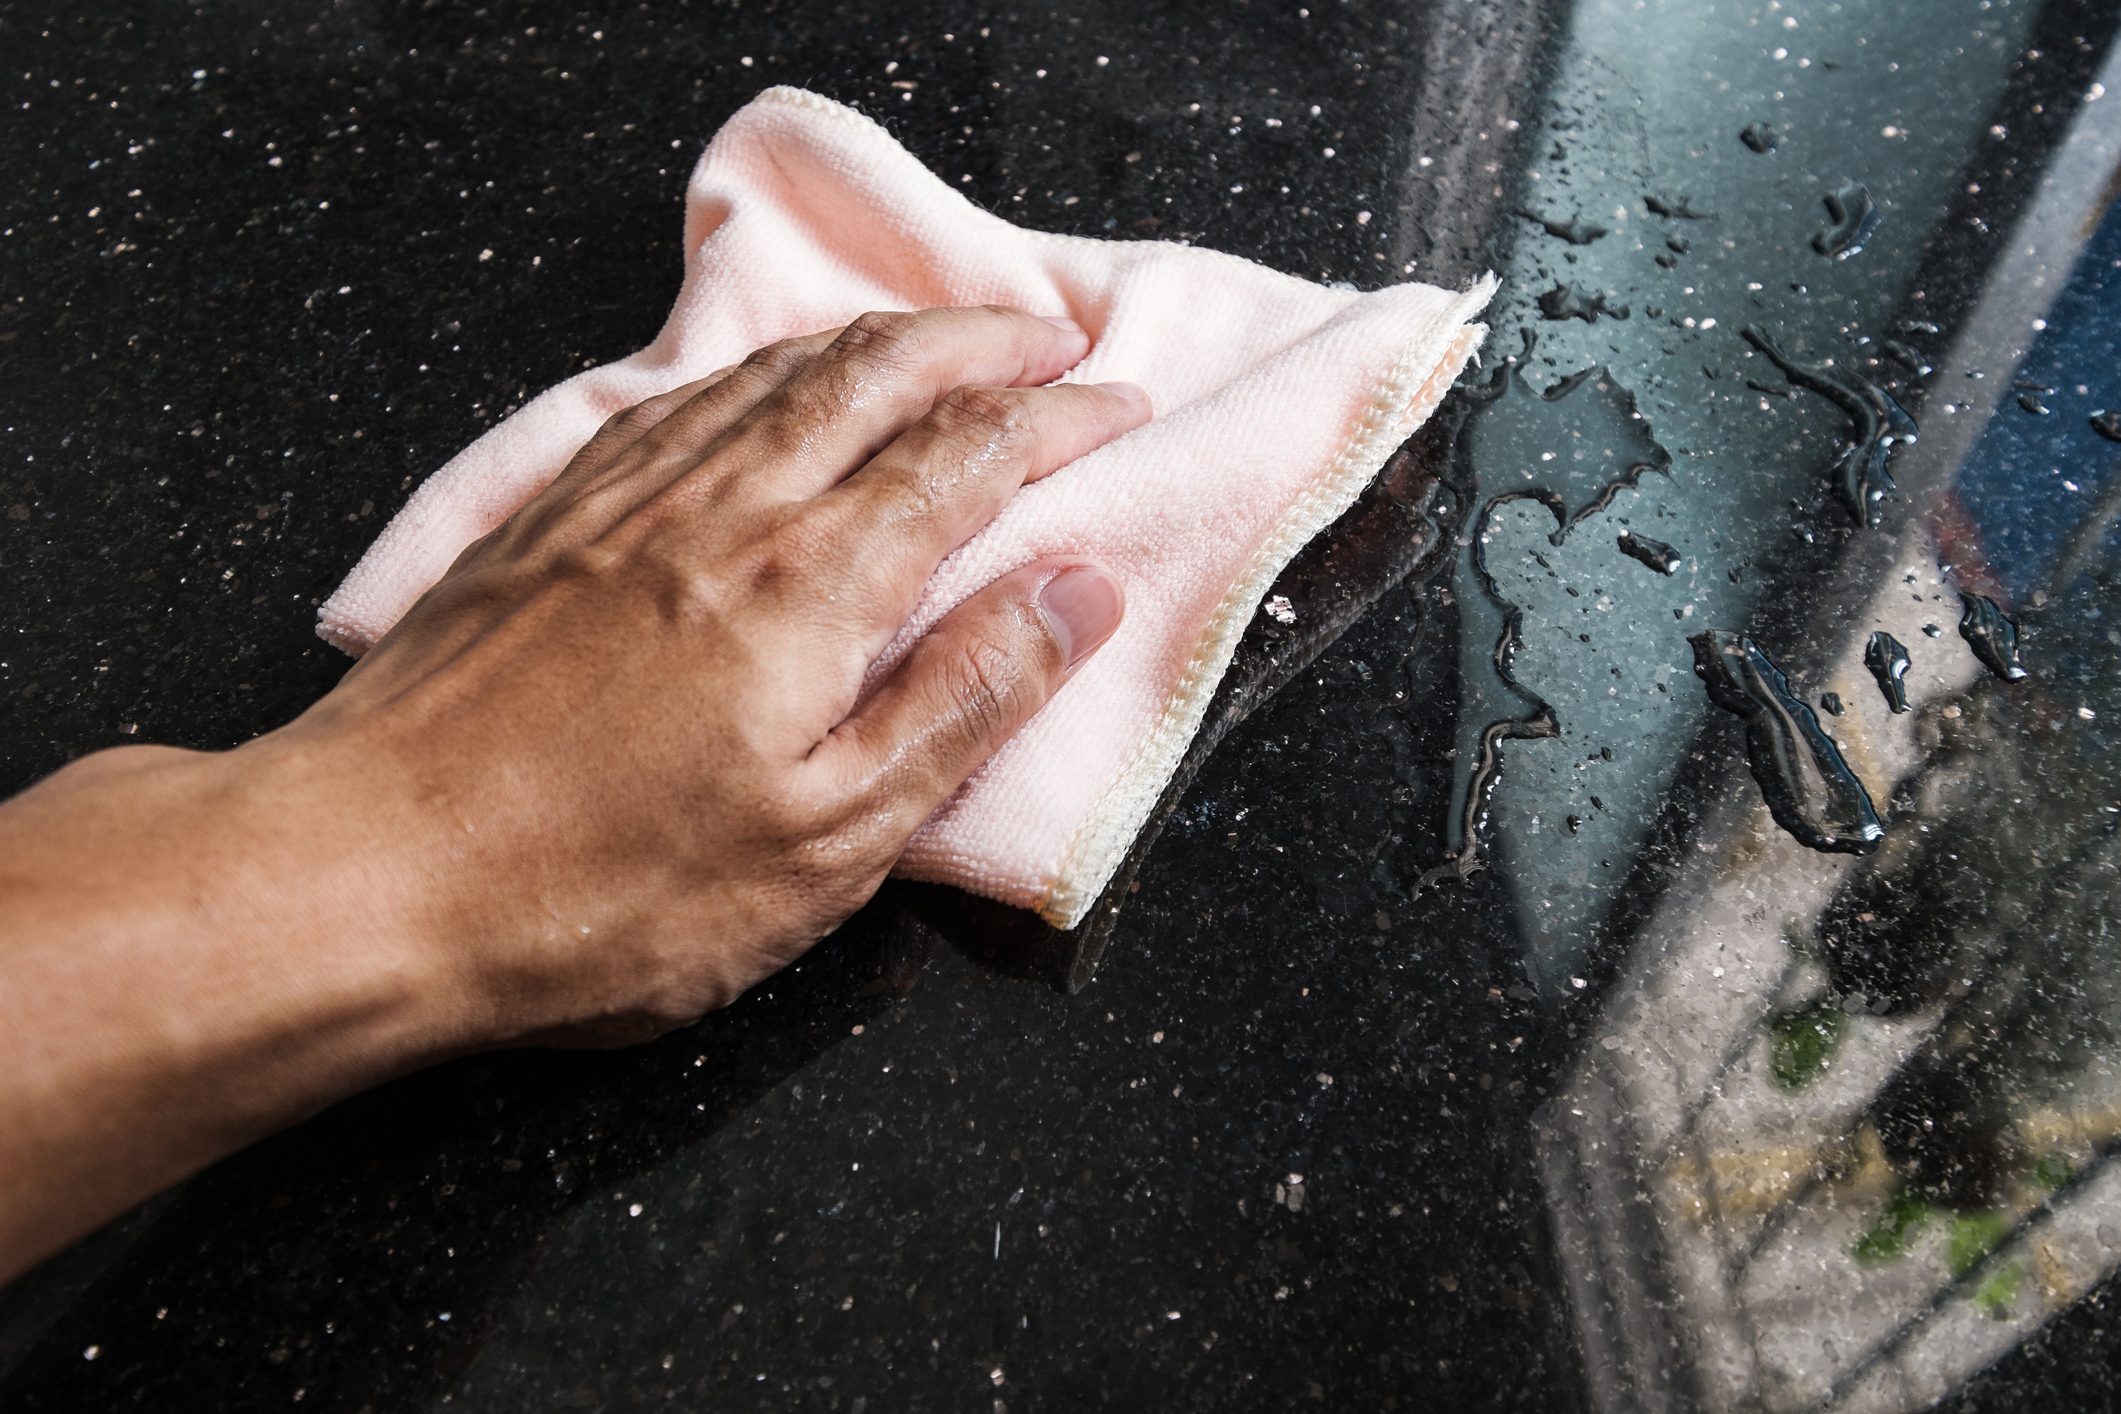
pixel 595 503
pixel 476 588
pixel 775 362
pixel 629 422
pixel 883 338
pixel 989 416
pixel 610 429
pixel 590 561
pixel 778 564
pixel 691 595
pixel 674 589
pixel 627 425
pixel 986 685
pixel 778 429
pixel 913 496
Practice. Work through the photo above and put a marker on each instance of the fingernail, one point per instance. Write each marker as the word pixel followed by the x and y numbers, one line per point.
pixel 1132 392
pixel 1082 606
pixel 1063 323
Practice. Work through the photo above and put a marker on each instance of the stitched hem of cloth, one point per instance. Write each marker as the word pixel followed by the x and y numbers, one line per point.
pixel 352 644
pixel 1403 400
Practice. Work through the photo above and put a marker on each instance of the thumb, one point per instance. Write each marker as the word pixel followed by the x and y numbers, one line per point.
pixel 976 677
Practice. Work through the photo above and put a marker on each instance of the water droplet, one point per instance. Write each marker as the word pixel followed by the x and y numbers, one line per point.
pixel 1654 553
pixel 1886 657
pixel 2107 423
pixel 1854 218
pixel 1575 230
pixel 1905 355
pixel 1830 703
pixel 1877 423
pixel 1606 445
pixel 1992 635
pixel 1674 208
pixel 1570 301
pixel 1809 788
pixel 1760 137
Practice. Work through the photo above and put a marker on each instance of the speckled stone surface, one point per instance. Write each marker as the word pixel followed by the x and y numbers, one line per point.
pixel 264 265
pixel 286 260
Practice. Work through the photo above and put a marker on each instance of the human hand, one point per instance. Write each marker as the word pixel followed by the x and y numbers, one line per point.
pixel 613 769
pixel 620 755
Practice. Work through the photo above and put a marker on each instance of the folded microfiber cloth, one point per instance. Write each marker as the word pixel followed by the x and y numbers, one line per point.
pixel 1277 400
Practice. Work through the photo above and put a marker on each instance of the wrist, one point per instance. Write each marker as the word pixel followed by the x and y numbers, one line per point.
pixel 210 946
pixel 338 854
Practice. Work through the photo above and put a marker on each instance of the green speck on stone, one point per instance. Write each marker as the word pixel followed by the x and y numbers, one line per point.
pixel 1895 1228
pixel 1802 1041
pixel 2052 1171
pixel 1973 1236
pixel 1998 1291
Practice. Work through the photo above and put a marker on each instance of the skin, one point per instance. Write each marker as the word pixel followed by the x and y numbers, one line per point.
pixel 612 770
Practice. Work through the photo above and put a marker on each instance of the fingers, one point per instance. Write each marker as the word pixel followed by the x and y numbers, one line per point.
pixel 628 425
pixel 946 477
pixel 795 417
pixel 881 375
pixel 667 434
pixel 967 686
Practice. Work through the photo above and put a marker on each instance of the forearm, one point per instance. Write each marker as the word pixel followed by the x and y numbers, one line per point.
pixel 194 951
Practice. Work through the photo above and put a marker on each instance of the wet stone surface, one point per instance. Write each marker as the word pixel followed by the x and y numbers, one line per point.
pixel 1479 1030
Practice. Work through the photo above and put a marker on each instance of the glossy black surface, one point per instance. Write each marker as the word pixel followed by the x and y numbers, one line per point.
pixel 1314 1134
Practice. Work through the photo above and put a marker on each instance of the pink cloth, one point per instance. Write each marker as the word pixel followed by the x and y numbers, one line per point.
pixel 1277 401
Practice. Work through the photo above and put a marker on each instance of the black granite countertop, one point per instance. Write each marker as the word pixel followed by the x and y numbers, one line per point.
pixel 1400 1084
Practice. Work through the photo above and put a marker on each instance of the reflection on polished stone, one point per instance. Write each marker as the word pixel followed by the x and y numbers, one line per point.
pixel 1850 1131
